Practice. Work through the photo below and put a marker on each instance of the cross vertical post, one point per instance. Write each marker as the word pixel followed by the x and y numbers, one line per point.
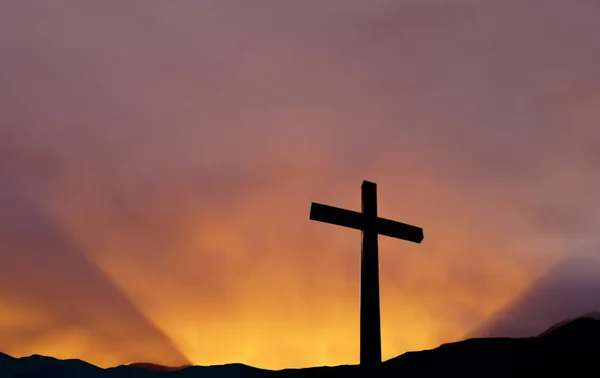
pixel 370 323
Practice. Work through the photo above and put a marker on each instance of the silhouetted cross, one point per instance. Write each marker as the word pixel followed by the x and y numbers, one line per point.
pixel 371 226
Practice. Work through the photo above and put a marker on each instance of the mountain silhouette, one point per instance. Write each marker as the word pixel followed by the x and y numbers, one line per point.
pixel 155 367
pixel 568 348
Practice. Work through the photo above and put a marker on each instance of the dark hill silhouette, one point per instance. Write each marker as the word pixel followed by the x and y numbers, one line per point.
pixel 155 367
pixel 570 348
pixel 571 322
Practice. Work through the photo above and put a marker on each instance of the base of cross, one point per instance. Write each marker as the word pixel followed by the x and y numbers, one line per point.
pixel 370 370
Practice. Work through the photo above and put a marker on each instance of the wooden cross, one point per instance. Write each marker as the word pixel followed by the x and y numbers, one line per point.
pixel 371 226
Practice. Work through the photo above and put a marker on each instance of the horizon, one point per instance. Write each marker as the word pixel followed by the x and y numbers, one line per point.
pixel 158 162
pixel 147 365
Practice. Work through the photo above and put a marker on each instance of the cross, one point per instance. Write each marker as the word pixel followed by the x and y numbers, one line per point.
pixel 371 226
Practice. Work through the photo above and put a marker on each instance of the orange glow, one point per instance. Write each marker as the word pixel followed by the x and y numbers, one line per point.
pixel 157 165
pixel 258 283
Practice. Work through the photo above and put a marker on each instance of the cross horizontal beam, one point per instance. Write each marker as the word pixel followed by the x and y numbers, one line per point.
pixel 358 221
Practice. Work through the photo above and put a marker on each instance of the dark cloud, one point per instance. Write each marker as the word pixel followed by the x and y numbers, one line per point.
pixel 566 291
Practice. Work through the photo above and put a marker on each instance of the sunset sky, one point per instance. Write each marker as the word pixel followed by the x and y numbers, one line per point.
pixel 158 160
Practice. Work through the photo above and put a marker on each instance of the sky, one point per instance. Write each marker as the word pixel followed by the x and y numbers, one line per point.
pixel 158 160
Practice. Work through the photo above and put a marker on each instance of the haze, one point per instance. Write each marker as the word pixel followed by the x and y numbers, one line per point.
pixel 158 160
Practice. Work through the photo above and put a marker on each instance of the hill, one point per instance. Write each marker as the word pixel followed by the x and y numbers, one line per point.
pixel 571 347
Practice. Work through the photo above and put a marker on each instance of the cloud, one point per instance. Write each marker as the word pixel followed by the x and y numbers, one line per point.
pixel 56 301
pixel 536 308
pixel 178 148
